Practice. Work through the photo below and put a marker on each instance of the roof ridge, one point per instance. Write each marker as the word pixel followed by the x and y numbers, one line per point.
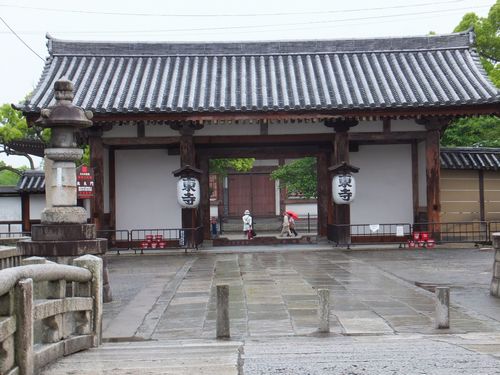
pixel 276 47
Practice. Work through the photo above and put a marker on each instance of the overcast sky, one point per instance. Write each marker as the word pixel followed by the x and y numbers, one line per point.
pixel 205 20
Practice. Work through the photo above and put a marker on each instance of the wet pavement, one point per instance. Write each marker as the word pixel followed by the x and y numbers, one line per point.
pixel 162 319
pixel 275 293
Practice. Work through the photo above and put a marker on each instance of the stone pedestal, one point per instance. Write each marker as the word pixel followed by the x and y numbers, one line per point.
pixel 495 280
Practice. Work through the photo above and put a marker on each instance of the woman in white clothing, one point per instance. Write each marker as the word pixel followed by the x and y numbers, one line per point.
pixel 247 224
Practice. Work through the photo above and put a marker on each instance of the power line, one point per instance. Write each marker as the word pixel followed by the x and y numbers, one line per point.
pixel 80 11
pixel 324 22
pixel 22 41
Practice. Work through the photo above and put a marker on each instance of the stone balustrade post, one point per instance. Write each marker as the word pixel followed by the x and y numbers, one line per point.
pixel 495 280
pixel 94 265
pixel 23 297
pixel 324 310
pixel 442 307
pixel 222 325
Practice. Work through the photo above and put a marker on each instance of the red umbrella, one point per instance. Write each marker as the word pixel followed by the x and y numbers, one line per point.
pixel 292 214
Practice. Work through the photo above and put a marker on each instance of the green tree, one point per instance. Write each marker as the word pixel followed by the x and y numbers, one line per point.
pixel 222 166
pixel 298 177
pixel 13 126
pixel 483 131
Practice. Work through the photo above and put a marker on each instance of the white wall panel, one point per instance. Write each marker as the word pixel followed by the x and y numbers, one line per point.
pixel 422 177
pixel 105 190
pixel 229 129
pixel 146 190
pixel 383 185
pixel 126 131
pixel 37 204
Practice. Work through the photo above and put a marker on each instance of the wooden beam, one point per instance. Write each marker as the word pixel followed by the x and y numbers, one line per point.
pixel 387 125
pixel 377 113
pixel 146 141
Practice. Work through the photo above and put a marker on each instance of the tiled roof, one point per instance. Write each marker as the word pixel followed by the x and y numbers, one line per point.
pixel 431 71
pixel 471 158
pixel 32 182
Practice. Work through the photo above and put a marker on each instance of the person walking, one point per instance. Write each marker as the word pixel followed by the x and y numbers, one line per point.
pixel 286 226
pixel 247 224
pixel 291 223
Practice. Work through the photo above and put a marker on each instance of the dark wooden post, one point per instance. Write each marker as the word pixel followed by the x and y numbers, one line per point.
pixel 188 157
pixel 341 212
pixel 324 198
pixel 96 162
pixel 204 217
pixel 112 188
pixel 25 212
pixel 433 167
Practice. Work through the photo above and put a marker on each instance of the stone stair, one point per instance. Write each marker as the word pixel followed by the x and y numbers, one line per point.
pixel 207 357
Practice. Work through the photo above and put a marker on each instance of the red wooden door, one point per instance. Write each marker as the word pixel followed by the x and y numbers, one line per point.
pixel 254 192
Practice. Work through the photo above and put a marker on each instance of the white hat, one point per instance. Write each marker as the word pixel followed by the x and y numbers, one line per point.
pixel 247 212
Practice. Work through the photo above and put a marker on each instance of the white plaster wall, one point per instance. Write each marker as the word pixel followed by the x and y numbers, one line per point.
pixel 422 178
pixel 367 126
pixel 10 208
pixel 266 163
pixel 302 209
pixel 383 185
pixel 214 211
pixel 405 125
pixel 298 128
pixel 146 190
pixel 160 131
pixel 37 204
pixel 126 131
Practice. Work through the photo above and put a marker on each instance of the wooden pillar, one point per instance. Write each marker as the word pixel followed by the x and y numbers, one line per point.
pixel 96 162
pixel 283 191
pixel 433 167
pixel 204 212
pixel 188 157
pixel 25 212
pixel 414 180
pixel 324 186
pixel 112 188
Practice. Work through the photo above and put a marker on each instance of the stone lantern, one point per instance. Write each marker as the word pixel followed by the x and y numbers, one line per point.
pixel 64 119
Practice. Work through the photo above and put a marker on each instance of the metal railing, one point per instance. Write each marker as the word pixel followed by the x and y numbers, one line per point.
pixel 346 234
pixel 471 232
pixel 117 239
pixel 185 238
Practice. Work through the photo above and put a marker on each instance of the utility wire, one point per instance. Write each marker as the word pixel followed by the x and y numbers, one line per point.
pixel 80 11
pixel 325 22
pixel 21 39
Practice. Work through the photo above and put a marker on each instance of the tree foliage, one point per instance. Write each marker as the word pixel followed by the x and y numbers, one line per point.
pixel 483 131
pixel 222 166
pixel 298 177
pixel 13 126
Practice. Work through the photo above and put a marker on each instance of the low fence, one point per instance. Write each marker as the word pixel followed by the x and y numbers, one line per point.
pixel 10 257
pixel 478 232
pixel 184 238
pixel 42 318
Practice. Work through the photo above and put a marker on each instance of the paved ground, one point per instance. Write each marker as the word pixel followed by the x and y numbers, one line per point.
pixel 381 322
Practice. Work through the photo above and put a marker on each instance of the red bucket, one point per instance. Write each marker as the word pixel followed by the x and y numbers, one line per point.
pixel 144 245
pixel 153 245
pixel 161 244
pixel 430 243
pixel 411 244
pixel 424 236
pixel 416 236
pixel 159 237
pixel 149 237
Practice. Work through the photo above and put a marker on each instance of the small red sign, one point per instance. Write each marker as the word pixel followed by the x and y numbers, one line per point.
pixel 84 182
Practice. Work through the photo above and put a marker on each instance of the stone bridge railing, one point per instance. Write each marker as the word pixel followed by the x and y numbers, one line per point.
pixel 10 257
pixel 47 311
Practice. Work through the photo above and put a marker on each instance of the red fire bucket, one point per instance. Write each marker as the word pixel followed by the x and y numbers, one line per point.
pixel 424 236
pixel 149 237
pixel 411 244
pixel 416 236
pixel 162 244
pixel 144 245
pixel 158 237
pixel 430 243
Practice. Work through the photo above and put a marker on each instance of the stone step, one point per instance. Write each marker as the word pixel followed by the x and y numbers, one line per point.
pixel 265 240
pixel 152 357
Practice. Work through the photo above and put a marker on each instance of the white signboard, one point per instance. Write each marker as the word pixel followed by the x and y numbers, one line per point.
pixel 343 188
pixel 188 192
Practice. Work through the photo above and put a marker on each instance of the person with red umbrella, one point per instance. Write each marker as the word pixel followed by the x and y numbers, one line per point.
pixel 292 216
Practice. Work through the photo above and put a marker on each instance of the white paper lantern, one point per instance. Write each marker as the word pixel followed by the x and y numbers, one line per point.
pixel 188 192
pixel 343 188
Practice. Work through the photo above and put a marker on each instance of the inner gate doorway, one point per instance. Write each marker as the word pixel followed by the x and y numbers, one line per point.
pixel 251 191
